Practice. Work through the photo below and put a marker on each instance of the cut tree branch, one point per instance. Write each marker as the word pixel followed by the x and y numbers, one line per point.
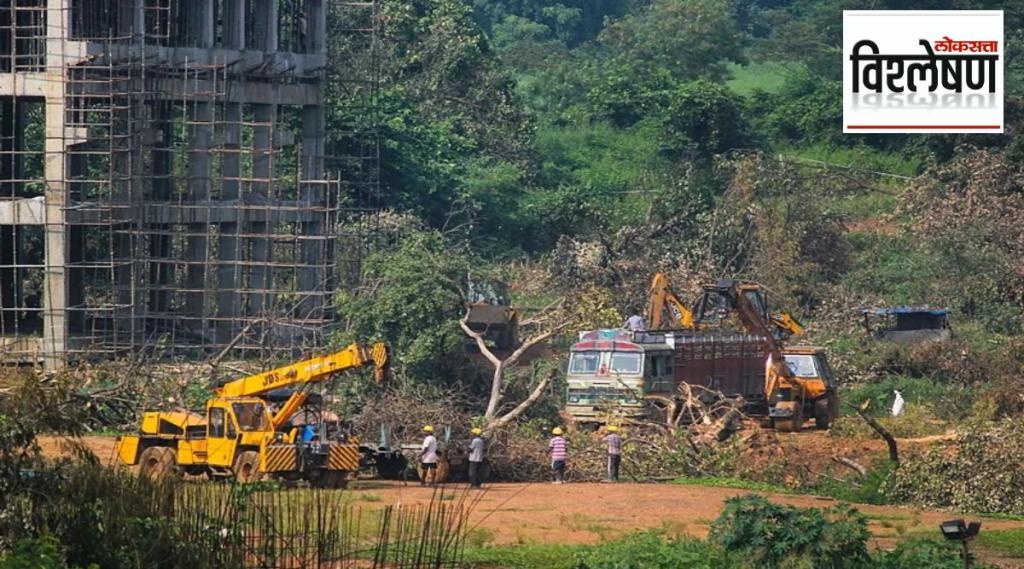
pixel 894 452
pixel 519 409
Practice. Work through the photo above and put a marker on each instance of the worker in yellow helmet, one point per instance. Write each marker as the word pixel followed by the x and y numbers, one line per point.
pixel 477 454
pixel 614 442
pixel 559 449
pixel 428 457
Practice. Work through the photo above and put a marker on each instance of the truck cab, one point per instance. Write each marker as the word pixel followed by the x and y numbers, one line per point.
pixel 816 396
pixel 610 374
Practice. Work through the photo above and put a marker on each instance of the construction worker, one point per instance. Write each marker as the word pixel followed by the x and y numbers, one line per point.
pixel 635 323
pixel 614 442
pixel 428 456
pixel 559 449
pixel 477 451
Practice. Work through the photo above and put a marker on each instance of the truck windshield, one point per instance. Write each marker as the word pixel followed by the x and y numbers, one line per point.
pixel 802 365
pixel 626 363
pixel 584 362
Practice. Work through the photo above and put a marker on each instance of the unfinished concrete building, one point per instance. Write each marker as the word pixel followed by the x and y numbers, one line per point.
pixel 162 176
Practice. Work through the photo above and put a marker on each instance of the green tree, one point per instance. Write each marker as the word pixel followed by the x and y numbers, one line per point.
pixel 411 298
pixel 691 39
pixel 703 119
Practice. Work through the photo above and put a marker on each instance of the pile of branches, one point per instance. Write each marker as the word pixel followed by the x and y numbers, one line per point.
pixel 695 437
pixel 982 470
pixel 406 408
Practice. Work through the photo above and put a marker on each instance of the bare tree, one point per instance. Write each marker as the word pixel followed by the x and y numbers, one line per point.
pixel 547 322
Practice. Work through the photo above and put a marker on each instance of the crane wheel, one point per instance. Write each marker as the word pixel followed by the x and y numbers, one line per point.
pixel 157 462
pixel 247 467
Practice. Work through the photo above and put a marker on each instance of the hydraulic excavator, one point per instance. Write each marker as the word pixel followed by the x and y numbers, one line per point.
pixel 665 311
pixel 242 435
pixel 798 380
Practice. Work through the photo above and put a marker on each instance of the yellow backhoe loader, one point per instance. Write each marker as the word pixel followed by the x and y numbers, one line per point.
pixel 798 380
pixel 241 436
pixel 665 311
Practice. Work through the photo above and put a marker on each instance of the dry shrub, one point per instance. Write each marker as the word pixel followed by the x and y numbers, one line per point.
pixel 407 407
pixel 982 470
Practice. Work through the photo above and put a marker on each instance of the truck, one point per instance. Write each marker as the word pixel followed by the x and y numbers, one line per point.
pixel 627 373
pixel 243 435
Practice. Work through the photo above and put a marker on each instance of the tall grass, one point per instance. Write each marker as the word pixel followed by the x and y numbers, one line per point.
pixel 112 519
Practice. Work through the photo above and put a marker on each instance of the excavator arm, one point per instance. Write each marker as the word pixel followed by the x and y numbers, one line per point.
pixel 663 299
pixel 301 375
pixel 755 324
pixel 787 324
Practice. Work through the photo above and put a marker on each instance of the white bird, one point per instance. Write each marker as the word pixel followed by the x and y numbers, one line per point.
pixel 898 404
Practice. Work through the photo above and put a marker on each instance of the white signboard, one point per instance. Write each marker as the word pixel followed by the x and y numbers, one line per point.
pixel 923 71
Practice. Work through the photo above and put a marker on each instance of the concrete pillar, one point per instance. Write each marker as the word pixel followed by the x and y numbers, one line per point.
pixel 260 247
pixel 265 13
pixel 313 253
pixel 200 22
pixel 200 141
pixel 160 187
pixel 316 26
pixel 200 33
pixel 228 301
pixel 228 247
pixel 55 255
pixel 233 21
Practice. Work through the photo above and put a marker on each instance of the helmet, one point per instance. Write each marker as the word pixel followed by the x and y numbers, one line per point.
pixel 557 431
pixel 428 428
pixel 476 430
pixel 613 429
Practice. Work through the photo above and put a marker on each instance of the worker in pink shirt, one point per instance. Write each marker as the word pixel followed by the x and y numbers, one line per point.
pixel 559 449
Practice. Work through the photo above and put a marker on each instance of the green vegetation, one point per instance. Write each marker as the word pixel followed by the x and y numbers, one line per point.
pixel 770 535
pixel 526 556
pixel 1008 542
pixel 751 532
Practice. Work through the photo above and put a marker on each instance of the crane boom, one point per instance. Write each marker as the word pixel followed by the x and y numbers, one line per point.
pixel 308 371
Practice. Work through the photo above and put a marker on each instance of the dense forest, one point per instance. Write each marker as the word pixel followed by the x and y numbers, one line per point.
pixel 571 150
pixel 574 149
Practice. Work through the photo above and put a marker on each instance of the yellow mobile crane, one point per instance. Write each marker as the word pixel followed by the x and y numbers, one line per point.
pixel 240 436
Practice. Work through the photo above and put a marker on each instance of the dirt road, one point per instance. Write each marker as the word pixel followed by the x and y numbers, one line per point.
pixel 588 513
pixel 506 514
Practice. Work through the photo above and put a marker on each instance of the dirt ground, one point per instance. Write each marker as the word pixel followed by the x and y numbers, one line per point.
pixel 539 513
pixel 591 512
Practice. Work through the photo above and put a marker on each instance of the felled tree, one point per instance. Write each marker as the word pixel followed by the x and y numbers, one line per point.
pixel 548 322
